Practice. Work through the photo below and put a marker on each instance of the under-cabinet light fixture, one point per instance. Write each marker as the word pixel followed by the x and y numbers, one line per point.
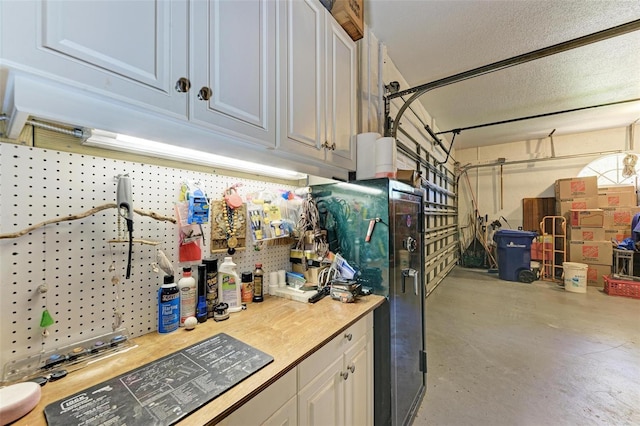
pixel 125 143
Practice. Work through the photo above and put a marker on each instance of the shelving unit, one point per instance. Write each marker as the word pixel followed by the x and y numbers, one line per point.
pixel 554 256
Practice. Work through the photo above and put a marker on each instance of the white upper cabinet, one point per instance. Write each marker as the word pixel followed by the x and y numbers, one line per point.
pixel 341 95
pixel 317 91
pixel 134 51
pixel 234 67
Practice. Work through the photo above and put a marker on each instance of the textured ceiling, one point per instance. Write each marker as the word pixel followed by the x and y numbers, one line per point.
pixel 430 40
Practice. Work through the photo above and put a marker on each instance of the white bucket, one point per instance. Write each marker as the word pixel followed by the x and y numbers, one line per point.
pixel 575 277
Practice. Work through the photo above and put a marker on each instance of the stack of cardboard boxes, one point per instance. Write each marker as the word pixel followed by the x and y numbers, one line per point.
pixel 595 216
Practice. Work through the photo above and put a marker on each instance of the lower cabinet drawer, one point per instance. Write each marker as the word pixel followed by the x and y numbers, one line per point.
pixel 265 407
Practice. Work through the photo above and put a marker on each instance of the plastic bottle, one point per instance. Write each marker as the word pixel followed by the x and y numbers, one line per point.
pixel 229 285
pixel 258 283
pixel 247 287
pixel 201 307
pixel 187 287
pixel 212 285
pixel 168 306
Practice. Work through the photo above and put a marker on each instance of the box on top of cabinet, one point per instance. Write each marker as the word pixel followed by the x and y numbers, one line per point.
pixel 578 187
pixel 350 15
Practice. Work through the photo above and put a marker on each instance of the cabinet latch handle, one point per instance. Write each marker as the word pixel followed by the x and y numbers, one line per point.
pixel 183 85
pixel 348 336
pixel 352 368
pixel 345 375
pixel 205 93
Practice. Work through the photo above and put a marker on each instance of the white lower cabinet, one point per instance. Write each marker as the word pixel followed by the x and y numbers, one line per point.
pixel 336 382
pixel 276 405
pixel 333 386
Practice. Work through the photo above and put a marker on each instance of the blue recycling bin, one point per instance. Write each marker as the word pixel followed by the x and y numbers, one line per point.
pixel 514 254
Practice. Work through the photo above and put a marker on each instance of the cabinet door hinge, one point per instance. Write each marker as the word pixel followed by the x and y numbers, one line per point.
pixel 423 361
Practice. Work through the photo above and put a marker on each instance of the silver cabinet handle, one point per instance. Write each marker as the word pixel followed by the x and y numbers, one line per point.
pixel 183 85
pixel 348 336
pixel 205 93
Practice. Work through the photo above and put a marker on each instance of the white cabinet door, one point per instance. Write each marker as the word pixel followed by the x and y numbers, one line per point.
pixel 287 415
pixel 302 75
pixel 321 402
pixel 131 50
pixel 341 95
pixel 233 57
pixel 318 84
pixel 359 384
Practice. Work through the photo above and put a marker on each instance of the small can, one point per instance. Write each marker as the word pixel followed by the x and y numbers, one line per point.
pixel 247 287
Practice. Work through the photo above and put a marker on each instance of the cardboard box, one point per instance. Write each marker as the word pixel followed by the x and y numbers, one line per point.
pixel 411 177
pixel 563 207
pixel 568 189
pixel 595 274
pixel 617 199
pixel 350 15
pixel 586 234
pixel 617 234
pixel 617 188
pixel 619 217
pixel 591 252
pixel 593 218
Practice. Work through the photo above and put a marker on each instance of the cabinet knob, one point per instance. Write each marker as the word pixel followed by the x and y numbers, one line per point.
pixel 352 368
pixel 348 336
pixel 345 375
pixel 329 146
pixel 205 93
pixel 183 85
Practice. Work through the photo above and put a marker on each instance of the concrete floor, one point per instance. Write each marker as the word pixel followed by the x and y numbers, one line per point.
pixel 506 353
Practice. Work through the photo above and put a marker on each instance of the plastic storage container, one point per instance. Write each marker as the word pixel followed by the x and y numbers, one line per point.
pixel 575 277
pixel 514 255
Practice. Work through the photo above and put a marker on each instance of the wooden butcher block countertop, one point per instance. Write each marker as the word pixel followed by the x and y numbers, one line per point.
pixel 287 330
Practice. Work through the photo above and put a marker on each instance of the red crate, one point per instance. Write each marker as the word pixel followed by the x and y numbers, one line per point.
pixel 615 287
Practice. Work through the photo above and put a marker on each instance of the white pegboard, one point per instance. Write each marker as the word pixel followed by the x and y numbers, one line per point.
pixel 73 258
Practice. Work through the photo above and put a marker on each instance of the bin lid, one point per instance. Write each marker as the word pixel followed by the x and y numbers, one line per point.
pixel 513 233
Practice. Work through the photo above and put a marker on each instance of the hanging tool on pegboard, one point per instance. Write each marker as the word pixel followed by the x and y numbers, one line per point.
pixel 124 200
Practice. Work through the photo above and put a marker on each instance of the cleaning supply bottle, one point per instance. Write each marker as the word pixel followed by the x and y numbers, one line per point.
pixel 258 283
pixel 168 306
pixel 201 307
pixel 229 285
pixel 212 285
pixel 187 287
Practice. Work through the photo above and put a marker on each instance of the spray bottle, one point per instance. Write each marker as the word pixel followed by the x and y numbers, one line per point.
pixel 229 283
pixel 187 287
pixel 201 308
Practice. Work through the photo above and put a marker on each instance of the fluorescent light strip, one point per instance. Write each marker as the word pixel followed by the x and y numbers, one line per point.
pixel 135 145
